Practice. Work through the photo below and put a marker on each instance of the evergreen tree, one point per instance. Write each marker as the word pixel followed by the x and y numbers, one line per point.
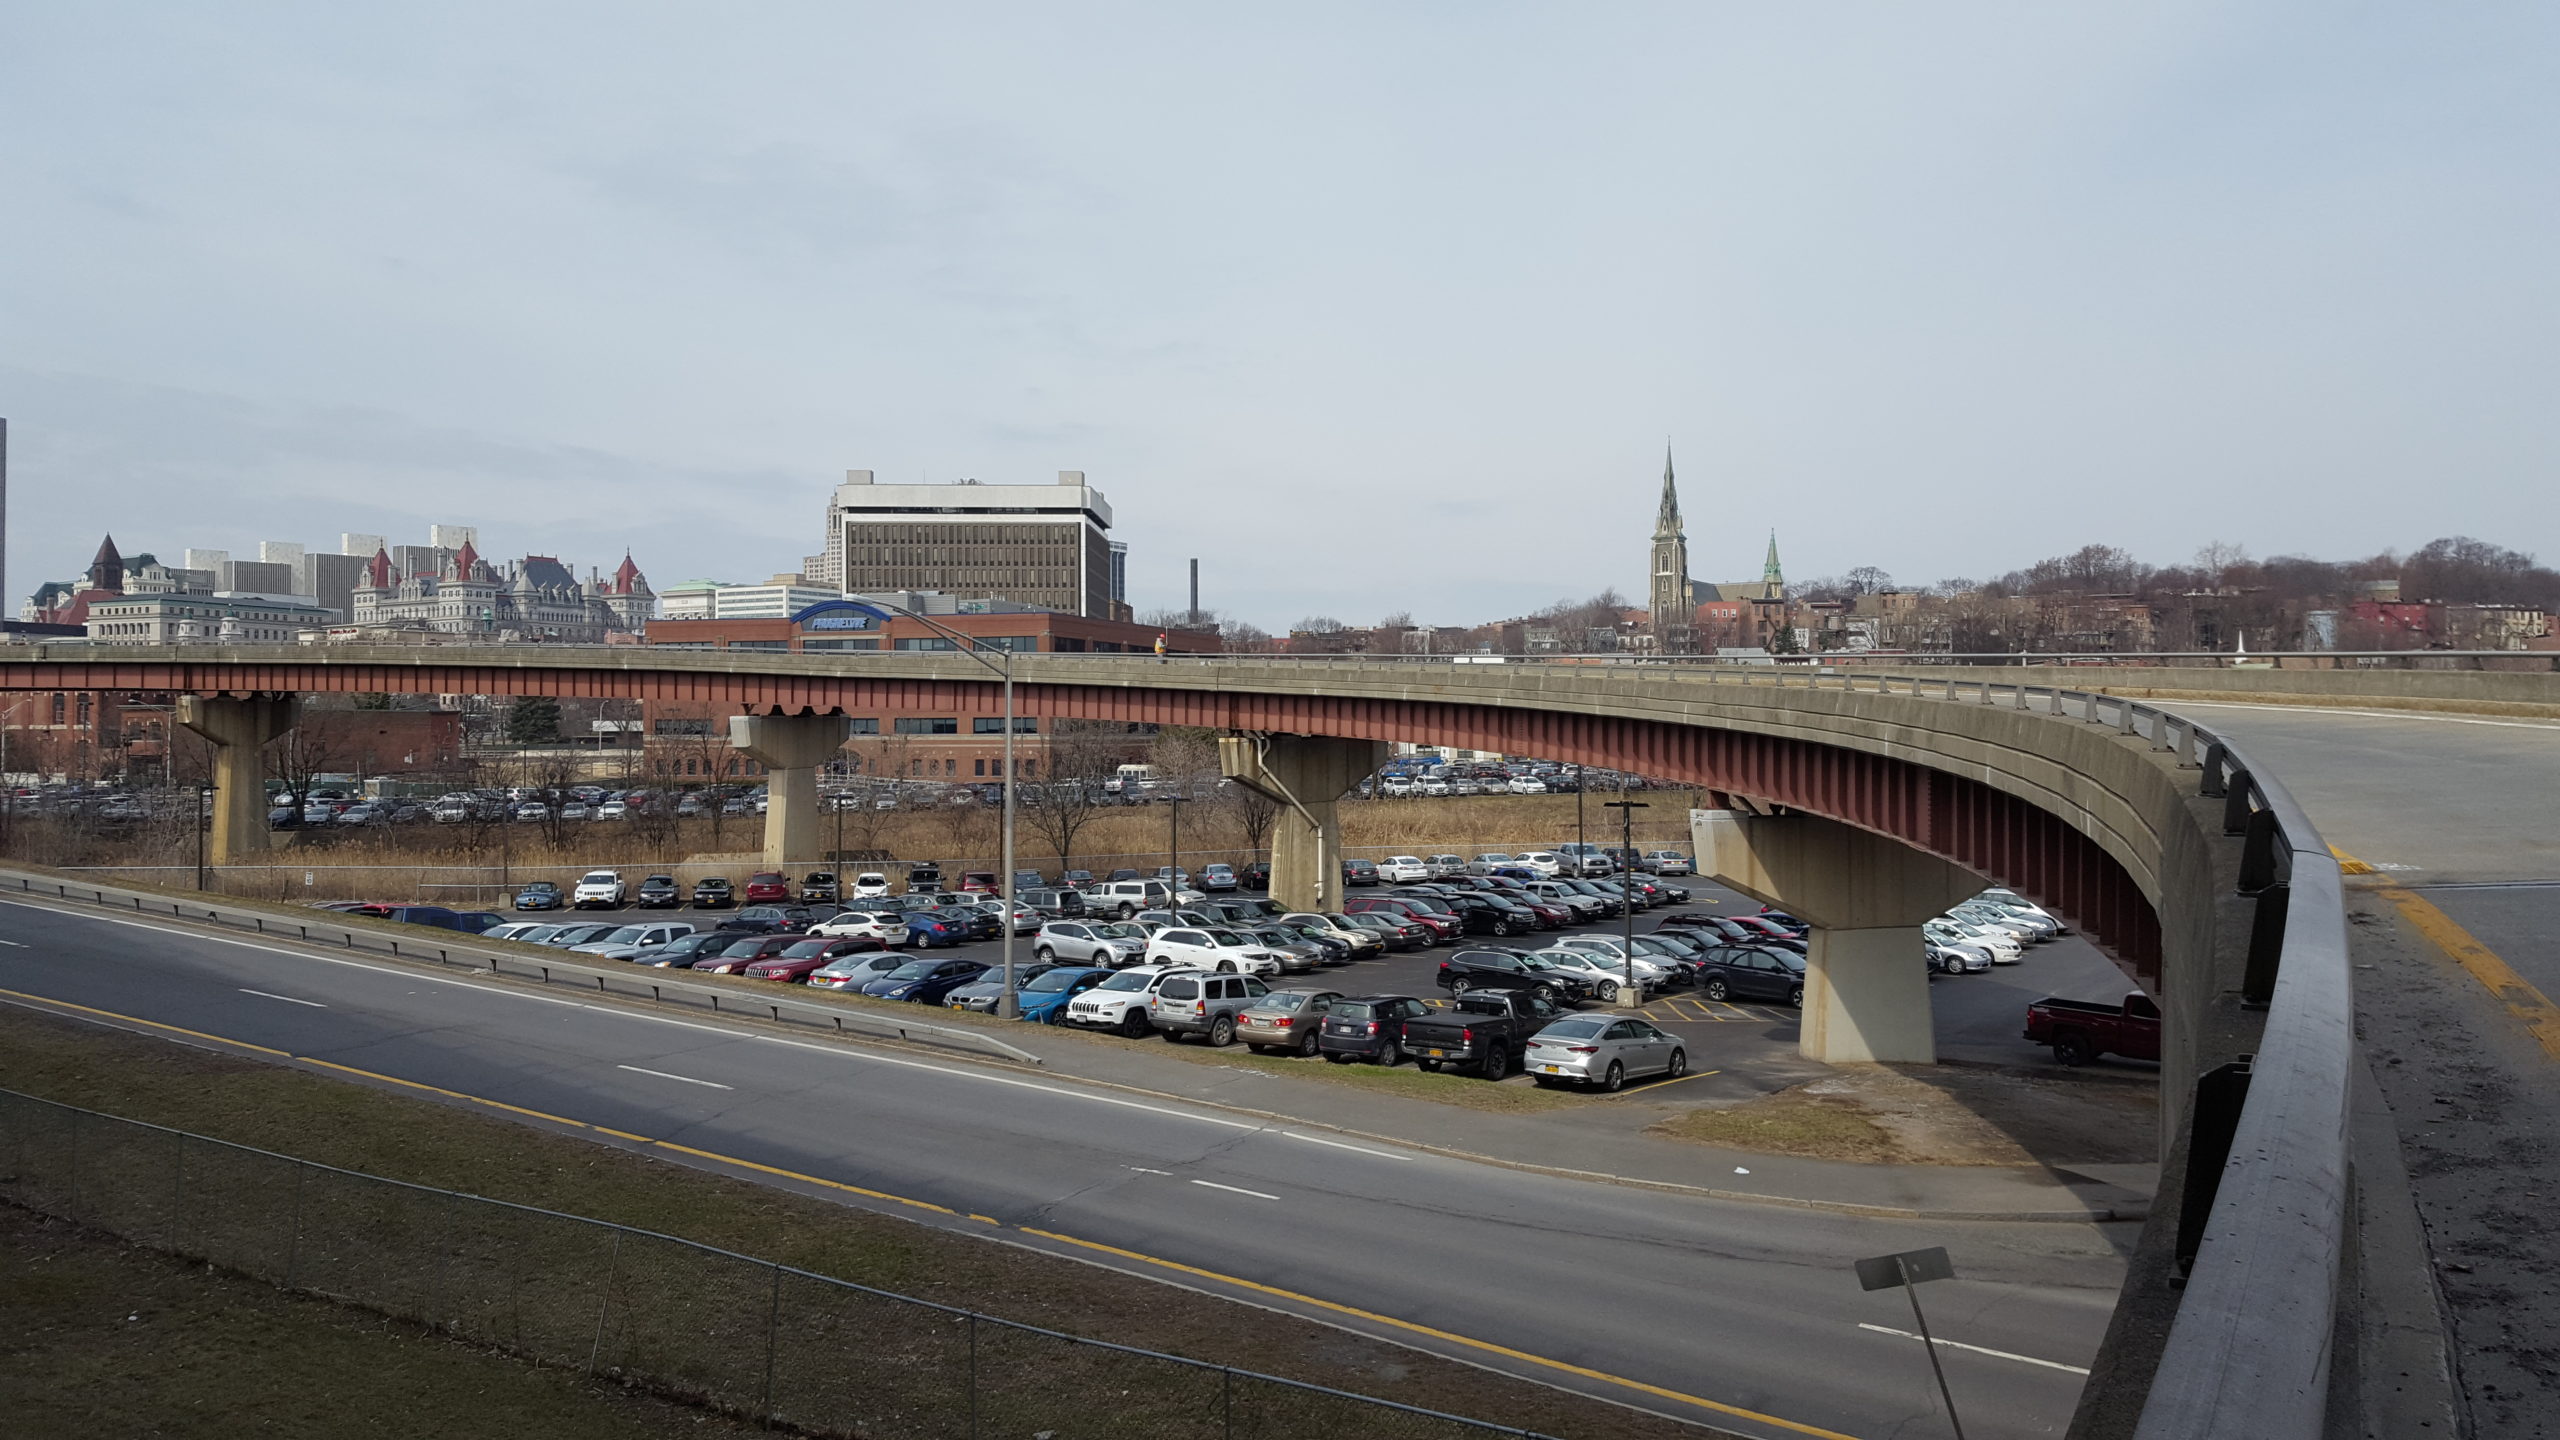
pixel 534 720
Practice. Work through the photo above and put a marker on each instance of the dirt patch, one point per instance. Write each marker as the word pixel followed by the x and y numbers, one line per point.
pixel 1939 1115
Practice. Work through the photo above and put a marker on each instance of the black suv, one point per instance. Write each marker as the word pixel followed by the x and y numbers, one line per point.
pixel 714 894
pixel 1752 974
pixel 1491 914
pixel 658 892
pixel 1368 1028
pixel 1510 970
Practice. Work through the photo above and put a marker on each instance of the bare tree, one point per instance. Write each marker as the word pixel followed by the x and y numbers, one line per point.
pixel 1082 754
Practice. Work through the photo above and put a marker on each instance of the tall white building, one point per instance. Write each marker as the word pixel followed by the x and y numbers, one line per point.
pixel 1043 545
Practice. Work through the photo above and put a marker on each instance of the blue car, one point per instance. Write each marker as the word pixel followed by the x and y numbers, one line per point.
pixel 1044 998
pixel 924 932
pixel 924 982
pixel 539 895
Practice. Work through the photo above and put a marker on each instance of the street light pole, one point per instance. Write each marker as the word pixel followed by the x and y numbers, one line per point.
pixel 198 827
pixel 1627 846
pixel 1173 844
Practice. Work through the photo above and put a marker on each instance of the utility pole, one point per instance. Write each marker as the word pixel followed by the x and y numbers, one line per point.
pixel 1627 845
pixel 202 789
pixel 1173 842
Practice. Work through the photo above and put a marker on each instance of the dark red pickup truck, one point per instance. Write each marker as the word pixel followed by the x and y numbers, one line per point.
pixel 2082 1030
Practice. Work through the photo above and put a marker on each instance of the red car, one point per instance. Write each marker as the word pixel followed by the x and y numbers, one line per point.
pixel 1770 928
pixel 1444 927
pixel 793 964
pixel 746 951
pixel 770 887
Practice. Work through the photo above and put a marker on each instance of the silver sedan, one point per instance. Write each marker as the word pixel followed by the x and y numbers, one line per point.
pixel 1285 1022
pixel 1604 1051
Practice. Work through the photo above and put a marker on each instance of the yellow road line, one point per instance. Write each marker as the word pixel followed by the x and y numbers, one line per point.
pixel 1390 1321
pixel 1485 1345
pixel 2541 1018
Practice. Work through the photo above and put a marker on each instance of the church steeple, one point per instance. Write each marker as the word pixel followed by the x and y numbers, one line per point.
pixel 1669 591
pixel 106 572
pixel 1666 525
pixel 1772 579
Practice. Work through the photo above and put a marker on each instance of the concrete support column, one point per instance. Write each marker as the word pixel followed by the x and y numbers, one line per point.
pixel 1866 985
pixel 790 748
pixel 240 731
pixel 1304 775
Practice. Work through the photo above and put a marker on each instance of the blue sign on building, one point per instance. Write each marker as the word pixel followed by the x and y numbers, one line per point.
pixel 837 615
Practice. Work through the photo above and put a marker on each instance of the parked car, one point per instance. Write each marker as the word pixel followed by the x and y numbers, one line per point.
pixel 1300 951
pixel 928 930
pixel 658 892
pixel 1205 1005
pixel 1217 879
pixel 1400 932
pixel 768 887
pixel 2082 1030
pixel 980 995
pixel 880 927
pixel 1256 876
pixel 1214 949
pixel 820 887
pixel 626 941
pixel 1488 1030
pixel 1359 942
pixel 1432 914
pixel 971 922
pixel 1085 942
pixel 1954 960
pixel 1120 1003
pixel 1665 862
pixel 1285 1022
pixel 870 883
pixel 538 895
pixel 804 958
pixel 713 894
pixel 1056 902
pixel 598 890
pixel 1402 868
pixel 1605 971
pixel 852 972
pixel 924 982
pixel 1467 970
pixel 1754 973
pixel 1370 1027
pixel 745 950
pixel 1045 999
pixel 1586 861
pixel 1603 1051
pixel 682 951
pixel 1359 872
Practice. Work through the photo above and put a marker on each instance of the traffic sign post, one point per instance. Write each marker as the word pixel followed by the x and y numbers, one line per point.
pixel 1907 1270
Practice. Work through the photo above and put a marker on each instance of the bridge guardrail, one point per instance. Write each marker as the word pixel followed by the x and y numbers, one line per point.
pixel 453 948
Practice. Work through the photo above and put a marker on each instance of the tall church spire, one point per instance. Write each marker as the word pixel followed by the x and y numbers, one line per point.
pixel 1773 579
pixel 1666 525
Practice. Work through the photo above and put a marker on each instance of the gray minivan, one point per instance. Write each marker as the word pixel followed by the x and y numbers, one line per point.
pixel 1203 1005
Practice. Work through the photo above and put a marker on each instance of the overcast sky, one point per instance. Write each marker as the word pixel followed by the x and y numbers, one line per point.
pixel 1372 307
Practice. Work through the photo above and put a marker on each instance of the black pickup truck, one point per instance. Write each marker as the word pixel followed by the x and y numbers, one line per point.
pixel 1485 1028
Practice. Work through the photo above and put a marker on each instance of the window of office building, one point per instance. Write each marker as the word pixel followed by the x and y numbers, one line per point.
pixel 759 644
pixel 994 725
pixel 867 643
pixel 925 642
pixel 866 724
pixel 928 725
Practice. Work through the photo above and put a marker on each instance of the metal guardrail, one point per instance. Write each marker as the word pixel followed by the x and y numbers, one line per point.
pixel 451 948
pixel 768 1342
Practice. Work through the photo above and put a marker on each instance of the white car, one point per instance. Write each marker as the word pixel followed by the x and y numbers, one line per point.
pixel 613 810
pixel 1488 860
pixel 1120 1003
pixel 1432 787
pixel 597 887
pixel 1528 785
pixel 1606 972
pixel 889 927
pixel 1395 785
pixel 1213 949
pixel 1403 869
pixel 2003 947
pixel 870 885
pixel 2015 903
pixel 1545 862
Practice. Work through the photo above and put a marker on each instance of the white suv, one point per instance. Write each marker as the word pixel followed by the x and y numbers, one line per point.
pixel 1120 1003
pixel 870 885
pixel 598 887
pixel 1589 862
pixel 1545 862
pixel 1212 949
pixel 1403 868
pixel 889 927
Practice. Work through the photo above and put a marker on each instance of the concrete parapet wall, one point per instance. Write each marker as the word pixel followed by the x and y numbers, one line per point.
pixel 2523 693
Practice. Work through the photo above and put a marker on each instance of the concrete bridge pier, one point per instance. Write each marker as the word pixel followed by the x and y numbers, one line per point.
pixel 240 731
pixel 1866 990
pixel 1305 775
pixel 790 748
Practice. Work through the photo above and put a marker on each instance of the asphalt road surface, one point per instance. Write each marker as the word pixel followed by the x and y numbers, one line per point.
pixel 2457 948
pixel 1748 1307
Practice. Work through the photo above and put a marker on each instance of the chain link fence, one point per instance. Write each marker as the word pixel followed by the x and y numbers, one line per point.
pixel 745 1336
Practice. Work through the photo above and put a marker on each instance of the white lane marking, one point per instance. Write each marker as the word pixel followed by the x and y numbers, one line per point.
pixel 844 1051
pixel 1339 1145
pixel 289 1000
pixel 13 944
pixel 663 1075
pixel 2366 714
pixel 1976 1349
pixel 1143 1170
pixel 1235 1189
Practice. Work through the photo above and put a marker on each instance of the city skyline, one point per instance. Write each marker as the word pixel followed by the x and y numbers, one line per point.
pixel 2179 264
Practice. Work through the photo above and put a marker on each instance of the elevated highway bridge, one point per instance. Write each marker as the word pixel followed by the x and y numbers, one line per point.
pixel 1865 799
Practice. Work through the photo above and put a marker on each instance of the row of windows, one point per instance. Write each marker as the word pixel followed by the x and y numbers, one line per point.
pixel 1026 769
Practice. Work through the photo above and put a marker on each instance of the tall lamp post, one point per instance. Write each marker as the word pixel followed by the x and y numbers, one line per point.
pixel 1173 844
pixel 1627 846
pixel 1008 1005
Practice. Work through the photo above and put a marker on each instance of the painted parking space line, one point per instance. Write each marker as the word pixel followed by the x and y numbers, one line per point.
pixel 2540 1017
pixel 1234 1189
pixel 1976 1349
